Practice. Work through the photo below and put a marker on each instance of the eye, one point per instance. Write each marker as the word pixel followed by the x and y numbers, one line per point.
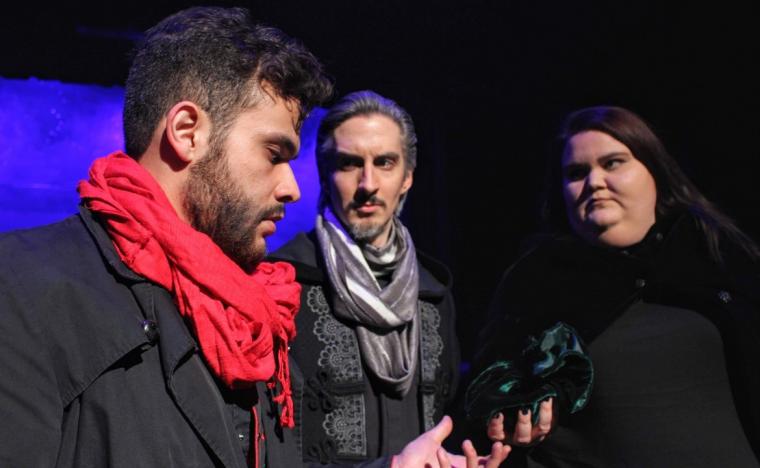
pixel 275 157
pixel 384 162
pixel 612 164
pixel 575 172
pixel 347 164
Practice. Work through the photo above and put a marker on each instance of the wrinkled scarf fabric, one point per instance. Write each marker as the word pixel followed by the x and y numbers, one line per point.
pixel 383 261
pixel 243 322
pixel 387 322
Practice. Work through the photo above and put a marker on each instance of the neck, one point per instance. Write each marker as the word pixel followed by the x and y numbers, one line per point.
pixel 384 237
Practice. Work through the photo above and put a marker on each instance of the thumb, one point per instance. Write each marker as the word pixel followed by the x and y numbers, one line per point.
pixel 441 430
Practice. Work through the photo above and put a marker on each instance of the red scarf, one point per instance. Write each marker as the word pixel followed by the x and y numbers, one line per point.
pixel 243 322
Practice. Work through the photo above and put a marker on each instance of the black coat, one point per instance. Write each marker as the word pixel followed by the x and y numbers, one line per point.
pixel 346 416
pixel 563 278
pixel 99 369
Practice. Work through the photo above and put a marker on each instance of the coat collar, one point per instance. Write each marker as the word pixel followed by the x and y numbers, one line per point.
pixel 185 374
pixel 302 252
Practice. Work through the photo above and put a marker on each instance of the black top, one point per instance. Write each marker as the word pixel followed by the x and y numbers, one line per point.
pixel 661 396
pixel 592 289
pixel 344 414
pixel 87 381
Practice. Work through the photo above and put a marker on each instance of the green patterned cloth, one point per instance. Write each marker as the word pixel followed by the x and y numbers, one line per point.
pixel 553 361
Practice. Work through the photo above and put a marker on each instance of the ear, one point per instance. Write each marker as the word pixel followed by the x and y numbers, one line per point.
pixel 407 184
pixel 188 129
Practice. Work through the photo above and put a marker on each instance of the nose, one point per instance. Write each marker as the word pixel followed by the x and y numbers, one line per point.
pixel 595 179
pixel 368 181
pixel 287 190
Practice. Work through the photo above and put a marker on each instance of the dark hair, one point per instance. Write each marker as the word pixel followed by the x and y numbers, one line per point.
pixel 215 57
pixel 675 192
pixel 352 105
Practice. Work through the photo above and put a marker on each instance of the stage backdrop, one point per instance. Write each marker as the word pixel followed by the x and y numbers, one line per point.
pixel 52 131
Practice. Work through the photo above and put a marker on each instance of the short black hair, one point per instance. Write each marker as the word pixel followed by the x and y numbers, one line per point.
pixel 214 57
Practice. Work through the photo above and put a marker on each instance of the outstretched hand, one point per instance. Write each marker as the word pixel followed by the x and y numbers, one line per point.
pixel 525 432
pixel 471 459
pixel 426 451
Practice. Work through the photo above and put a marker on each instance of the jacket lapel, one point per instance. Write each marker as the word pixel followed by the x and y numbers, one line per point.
pixel 191 384
pixel 187 378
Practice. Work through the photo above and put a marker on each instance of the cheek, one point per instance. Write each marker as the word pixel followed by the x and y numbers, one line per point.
pixel 651 197
pixel 395 187
pixel 570 193
pixel 570 197
pixel 640 187
pixel 342 191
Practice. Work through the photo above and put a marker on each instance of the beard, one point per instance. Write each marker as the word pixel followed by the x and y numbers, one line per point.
pixel 218 207
pixel 365 233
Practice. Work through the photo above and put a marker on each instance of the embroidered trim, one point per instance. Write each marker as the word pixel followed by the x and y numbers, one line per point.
pixel 345 425
pixel 428 410
pixel 431 344
pixel 340 356
pixel 431 348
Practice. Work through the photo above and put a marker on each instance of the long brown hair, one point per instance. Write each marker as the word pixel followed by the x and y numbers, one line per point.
pixel 675 192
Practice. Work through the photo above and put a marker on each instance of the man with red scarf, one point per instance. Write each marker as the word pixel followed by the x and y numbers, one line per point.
pixel 145 331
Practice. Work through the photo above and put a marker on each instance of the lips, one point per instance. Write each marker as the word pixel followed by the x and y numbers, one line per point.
pixel 267 227
pixel 367 208
pixel 597 203
pixel 269 218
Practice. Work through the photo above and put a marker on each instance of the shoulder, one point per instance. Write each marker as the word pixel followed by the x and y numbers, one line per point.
pixel 552 275
pixel 63 268
pixel 57 290
pixel 39 250
pixel 303 253
pixel 301 248
pixel 435 277
pixel 22 242
pixel 541 254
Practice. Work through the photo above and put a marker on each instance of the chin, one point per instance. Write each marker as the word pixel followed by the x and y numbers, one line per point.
pixel 621 237
pixel 603 219
pixel 254 256
pixel 260 250
pixel 365 232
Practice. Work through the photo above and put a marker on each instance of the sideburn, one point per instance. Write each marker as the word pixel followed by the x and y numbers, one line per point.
pixel 219 209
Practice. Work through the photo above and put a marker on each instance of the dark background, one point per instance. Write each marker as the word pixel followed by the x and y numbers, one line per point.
pixel 487 84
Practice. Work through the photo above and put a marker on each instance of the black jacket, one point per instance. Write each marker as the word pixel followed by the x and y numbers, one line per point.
pixel 99 369
pixel 346 417
pixel 564 278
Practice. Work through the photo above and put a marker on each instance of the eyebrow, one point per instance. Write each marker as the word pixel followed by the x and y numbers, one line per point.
pixel 602 158
pixel 612 154
pixel 391 154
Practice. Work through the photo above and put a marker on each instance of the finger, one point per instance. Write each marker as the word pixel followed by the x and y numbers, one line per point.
pixel 499 453
pixel 544 424
pixel 523 427
pixel 470 455
pixel 443 458
pixel 441 430
pixel 496 428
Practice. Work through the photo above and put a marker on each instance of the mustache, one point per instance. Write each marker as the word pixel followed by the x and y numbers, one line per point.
pixel 274 211
pixel 364 198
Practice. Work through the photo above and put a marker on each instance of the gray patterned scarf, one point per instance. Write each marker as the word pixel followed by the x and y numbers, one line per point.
pixel 386 318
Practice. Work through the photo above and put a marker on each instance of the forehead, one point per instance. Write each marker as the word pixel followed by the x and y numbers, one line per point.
pixel 270 115
pixel 592 144
pixel 367 135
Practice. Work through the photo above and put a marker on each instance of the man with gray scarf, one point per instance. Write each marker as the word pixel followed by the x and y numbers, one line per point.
pixel 376 339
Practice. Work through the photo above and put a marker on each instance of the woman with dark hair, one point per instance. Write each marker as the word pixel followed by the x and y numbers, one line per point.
pixel 660 286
